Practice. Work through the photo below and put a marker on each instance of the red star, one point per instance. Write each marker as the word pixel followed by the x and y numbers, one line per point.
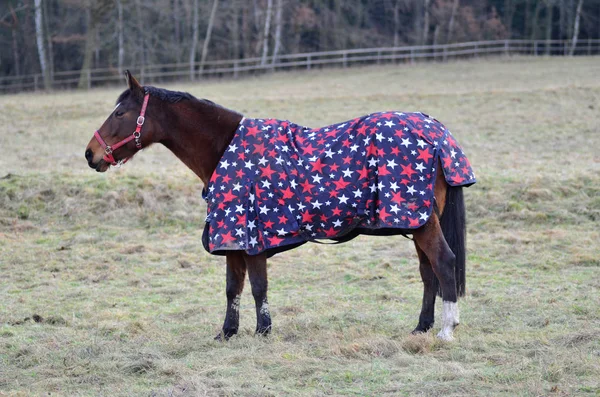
pixel 273 241
pixel 318 166
pixel 395 151
pixel 307 217
pixel 341 184
pixel 337 211
pixel 362 130
pixel 287 193
pixel 331 134
pixel 447 162
pixel 308 150
pixel 252 131
pixel 330 232
pixel 424 155
pixel 229 196
pixel 408 170
pixel 306 186
pixel 413 222
pixel 363 173
pixel 372 150
pixel 239 173
pixel 241 219
pixel 457 179
pixel 268 224
pixel 383 170
pixel 267 171
pixel 227 238
pixel 259 149
pixel 383 214
pixel 397 198
pixel 282 219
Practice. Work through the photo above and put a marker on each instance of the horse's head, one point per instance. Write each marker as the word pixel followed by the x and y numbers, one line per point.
pixel 121 135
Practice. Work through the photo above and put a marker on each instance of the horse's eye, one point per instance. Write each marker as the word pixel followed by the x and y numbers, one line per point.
pixel 119 114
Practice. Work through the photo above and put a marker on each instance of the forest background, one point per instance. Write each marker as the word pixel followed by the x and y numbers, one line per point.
pixel 49 36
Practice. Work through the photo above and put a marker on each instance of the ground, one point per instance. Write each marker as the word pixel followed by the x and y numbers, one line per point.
pixel 105 288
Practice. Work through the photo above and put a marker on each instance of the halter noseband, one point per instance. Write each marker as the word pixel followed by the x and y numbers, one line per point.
pixel 108 150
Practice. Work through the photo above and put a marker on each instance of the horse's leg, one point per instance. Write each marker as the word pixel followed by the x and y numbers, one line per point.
pixel 236 272
pixel 257 273
pixel 430 239
pixel 426 318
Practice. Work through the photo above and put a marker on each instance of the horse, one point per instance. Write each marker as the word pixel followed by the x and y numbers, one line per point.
pixel 333 183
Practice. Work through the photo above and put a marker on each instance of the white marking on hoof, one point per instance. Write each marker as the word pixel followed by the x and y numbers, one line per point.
pixel 450 319
pixel 235 304
pixel 264 309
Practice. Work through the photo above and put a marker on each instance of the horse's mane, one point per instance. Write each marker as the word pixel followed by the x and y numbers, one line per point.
pixel 162 94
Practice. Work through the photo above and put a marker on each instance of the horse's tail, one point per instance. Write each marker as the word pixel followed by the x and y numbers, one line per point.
pixel 453 223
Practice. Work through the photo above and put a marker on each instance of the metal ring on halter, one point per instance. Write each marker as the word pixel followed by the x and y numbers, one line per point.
pixel 140 120
pixel 108 150
pixel 137 134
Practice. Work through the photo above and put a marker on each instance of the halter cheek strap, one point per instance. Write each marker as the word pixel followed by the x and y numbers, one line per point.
pixel 136 136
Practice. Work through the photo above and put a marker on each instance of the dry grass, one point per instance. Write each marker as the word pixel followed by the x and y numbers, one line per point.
pixel 106 290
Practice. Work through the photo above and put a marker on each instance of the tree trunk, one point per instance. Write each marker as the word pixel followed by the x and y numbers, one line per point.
pixel 534 24
pixel 425 23
pixel 195 29
pixel 39 35
pixel 49 42
pixel 209 29
pixel 576 27
pixel 15 49
pixel 278 18
pixel 235 31
pixel 121 50
pixel 142 39
pixel 265 51
pixel 451 23
pixel 509 9
pixel 549 12
pixel 84 81
pixel 396 23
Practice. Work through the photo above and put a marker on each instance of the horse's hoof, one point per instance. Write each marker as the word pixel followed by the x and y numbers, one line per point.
pixel 445 335
pixel 263 331
pixel 421 329
pixel 224 336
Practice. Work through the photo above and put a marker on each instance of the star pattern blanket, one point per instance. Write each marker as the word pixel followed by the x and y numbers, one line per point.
pixel 279 185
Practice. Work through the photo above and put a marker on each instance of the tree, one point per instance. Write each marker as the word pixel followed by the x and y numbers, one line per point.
pixel 576 27
pixel 209 29
pixel 278 20
pixel 265 51
pixel 195 29
pixel 39 35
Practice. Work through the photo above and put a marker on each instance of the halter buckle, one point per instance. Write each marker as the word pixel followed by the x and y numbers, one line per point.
pixel 108 150
pixel 137 134
pixel 141 120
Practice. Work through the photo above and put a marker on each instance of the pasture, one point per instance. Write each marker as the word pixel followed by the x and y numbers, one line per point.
pixel 105 288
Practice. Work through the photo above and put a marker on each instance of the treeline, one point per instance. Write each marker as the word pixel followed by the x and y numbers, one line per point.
pixel 56 35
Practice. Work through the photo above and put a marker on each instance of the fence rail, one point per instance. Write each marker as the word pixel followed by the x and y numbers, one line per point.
pixel 344 58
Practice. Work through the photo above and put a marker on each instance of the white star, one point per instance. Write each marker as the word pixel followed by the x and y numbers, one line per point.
pixel 353 148
pixel 316 204
pixel 239 232
pixel 239 209
pixel 262 161
pixel 343 199
pixel 380 186
pixel 411 189
pixel 251 225
pixel 232 148
pixel 337 223
pixel 227 212
pixel 379 137
pixel 281 232
pixel 405 142
pixel 347 173
pixel 264 209
pixel 329 154
pixel 357 193
pixel 372 162
pixel 317 178
pixel 301 206
pixel 266 184
pixel 394 208
pixel 391 163
pixel 293 184
pixel 373 188
pixel 389 123
pixel 420 167
pixel 253 241
pixel 249 164
pixel 237 187
pixel 423 216
pixel 421 143
pixel 453 153
pixel 224 164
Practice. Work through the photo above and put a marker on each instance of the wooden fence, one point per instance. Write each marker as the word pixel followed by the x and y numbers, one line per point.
pixel 342 58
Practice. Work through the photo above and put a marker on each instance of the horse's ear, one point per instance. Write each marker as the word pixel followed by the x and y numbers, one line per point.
pixel 136 89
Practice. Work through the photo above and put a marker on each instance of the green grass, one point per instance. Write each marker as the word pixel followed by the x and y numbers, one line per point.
pixel 105 288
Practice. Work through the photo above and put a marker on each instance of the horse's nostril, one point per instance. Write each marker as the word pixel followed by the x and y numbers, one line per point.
pixel 89 155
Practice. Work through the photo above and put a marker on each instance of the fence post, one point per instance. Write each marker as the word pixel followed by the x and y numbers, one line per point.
pixel 589 46
pixel 378 57
pixel 88 74
pixel 476 50
pixel 35 82
pixel 308 62
pixel 412 56
pixel 535 48
pixel 345 59
pixel 506 51
pixel 445 53
pixel 235 69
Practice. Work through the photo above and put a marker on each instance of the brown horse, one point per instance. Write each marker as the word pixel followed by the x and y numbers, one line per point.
pixel 199 132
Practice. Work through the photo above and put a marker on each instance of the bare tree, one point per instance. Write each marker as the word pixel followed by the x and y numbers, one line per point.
pixel 576 28
pixel 195 29
pixel 121 50
pixel 209 29
pixel 549 12
pixel 278 21
pixel 451 23
pixel 425 22
pixel 265 51
pixel 39 35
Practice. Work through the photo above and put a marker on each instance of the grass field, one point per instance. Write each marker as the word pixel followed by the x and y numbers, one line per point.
pixel 105 288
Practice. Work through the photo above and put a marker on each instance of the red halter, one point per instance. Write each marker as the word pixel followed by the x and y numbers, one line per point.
pixel 108 150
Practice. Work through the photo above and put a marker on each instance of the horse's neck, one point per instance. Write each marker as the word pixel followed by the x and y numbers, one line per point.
pixel 198 133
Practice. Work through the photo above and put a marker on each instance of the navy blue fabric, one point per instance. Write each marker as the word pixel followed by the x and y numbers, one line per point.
pixel 279 184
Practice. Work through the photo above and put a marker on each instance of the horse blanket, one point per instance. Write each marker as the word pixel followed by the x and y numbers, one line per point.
pixel 279 184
